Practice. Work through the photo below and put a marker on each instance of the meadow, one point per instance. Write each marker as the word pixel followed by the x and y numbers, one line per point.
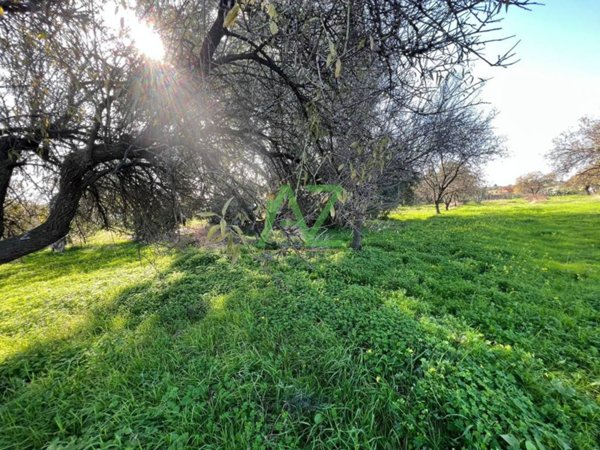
pixel 478 328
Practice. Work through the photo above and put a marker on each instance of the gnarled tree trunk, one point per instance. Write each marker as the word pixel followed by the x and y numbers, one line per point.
pixel 57 225
pixel 357 234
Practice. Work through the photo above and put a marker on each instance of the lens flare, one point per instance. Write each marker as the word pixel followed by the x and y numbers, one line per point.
pixel 147 40
pixel 142 33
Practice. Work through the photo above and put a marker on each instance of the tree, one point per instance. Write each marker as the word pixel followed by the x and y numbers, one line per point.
pixel 69 120
pixel 467 186
pixel 256 93
pixel 534 184
pixel 587 180
pixel 344 93
pixel 578 151
pixel 458 143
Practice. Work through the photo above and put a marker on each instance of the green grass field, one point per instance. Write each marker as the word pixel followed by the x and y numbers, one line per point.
pixel 475 329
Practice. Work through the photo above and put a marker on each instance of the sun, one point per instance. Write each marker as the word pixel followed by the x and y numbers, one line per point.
pixel 147 40
pixel 142 34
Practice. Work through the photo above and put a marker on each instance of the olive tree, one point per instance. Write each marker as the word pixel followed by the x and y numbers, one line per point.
pixel 255 93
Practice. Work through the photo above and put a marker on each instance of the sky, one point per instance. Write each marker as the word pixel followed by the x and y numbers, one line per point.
pixel 556 81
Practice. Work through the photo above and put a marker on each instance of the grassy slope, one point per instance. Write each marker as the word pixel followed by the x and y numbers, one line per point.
pixel 446 331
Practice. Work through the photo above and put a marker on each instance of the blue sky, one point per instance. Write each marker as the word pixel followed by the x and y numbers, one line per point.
pixel 556 81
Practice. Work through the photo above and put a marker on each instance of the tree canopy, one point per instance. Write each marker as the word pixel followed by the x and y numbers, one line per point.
pixel 578 151
pixel 250 94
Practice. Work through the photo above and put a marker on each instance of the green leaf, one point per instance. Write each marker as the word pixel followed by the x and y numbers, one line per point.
pixel 338 68
pixel 223 226
pixel 511 440
pixel 332 54
pixel 234 251
pixel 530 445
pixel 206 214
pixel 231 16
pixel 212 231
pixel 332 48
pixel 319 418
pixel 272 11
pixel 224 210
pixel 273 27
pixel 238 230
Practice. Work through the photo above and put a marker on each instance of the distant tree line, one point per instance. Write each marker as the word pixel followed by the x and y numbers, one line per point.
pixel 575 157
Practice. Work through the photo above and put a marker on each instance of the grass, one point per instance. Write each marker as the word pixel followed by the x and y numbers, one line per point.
pixel 475 329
